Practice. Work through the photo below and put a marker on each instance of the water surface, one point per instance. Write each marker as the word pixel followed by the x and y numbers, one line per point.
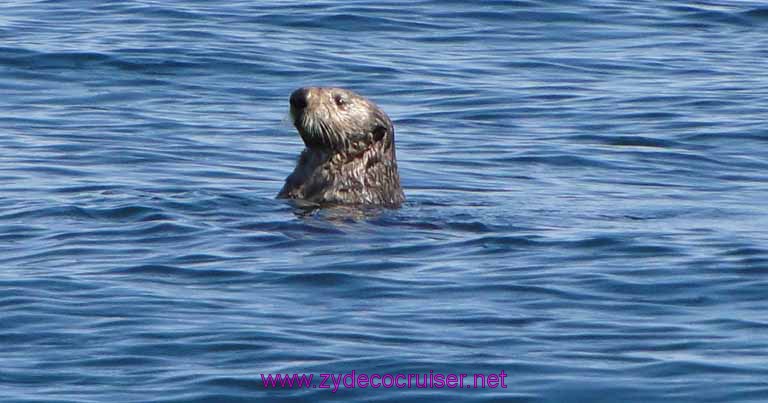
pixel 586 186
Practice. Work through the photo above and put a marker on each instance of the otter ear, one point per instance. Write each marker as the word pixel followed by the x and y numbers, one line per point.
pixel 379 132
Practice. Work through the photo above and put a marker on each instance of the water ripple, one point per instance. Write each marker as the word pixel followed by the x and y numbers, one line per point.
pixel 585 183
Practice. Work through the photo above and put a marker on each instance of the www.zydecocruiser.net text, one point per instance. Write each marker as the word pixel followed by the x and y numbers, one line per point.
pixel 352 380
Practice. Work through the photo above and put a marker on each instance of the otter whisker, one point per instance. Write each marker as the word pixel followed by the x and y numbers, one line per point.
pixel 327 133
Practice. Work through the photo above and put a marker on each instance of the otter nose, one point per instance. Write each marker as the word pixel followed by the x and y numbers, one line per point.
pixel 299 98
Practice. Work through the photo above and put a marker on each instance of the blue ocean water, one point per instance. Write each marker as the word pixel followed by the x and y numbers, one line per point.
pixel 586 183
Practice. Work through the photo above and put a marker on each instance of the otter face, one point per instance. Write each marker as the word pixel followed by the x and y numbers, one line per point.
pixel 339 120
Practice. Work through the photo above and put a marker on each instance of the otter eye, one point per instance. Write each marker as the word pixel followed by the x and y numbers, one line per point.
pixel 339 100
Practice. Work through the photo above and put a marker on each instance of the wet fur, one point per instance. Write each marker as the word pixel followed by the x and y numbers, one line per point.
pixel 350 152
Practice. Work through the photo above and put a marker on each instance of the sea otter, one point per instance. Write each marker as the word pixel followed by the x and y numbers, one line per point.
pixel 349 157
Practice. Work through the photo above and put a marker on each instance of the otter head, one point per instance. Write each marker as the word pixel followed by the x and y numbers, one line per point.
pixel 339 121
pixel 350 153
